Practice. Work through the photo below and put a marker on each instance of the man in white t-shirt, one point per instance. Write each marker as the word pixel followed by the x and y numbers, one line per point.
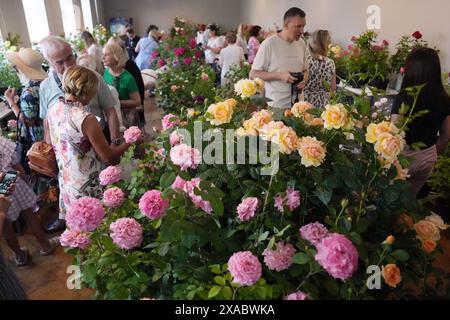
pixel 278 57
pixel 230 56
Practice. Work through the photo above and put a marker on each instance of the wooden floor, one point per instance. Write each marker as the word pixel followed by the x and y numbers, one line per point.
pixel 46 277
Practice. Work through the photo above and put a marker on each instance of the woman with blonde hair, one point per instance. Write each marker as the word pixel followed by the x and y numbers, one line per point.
pixel 77 137
pixel 322 71
pixel 114 59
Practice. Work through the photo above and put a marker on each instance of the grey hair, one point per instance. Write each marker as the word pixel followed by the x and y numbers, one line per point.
pixel 52 43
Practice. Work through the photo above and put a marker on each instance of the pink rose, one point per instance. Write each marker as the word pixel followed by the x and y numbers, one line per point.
pixel 188 187
pixel 152 205
pixel 110 175
pixel 85 214
pixel 155 54
pixel 113 197
pixel 314 232
pixel 12 124
pixel 299 295
pixel 178 51
pixel 198 55
pixel 161 152
pixel 338 256
pixel 187 61
pixel 291 200
pixel 74 239
pixel 161 63
pixel 186 157
pixel 175 138
pixel 126 233
pixel 192 43
pixel 132 134
pixel 169 121
pixel 173 88
pixel 245 268
pixel 247 208
pixel 280 258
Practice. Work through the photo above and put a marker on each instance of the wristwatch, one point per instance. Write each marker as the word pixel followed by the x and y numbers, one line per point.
pixel 118 141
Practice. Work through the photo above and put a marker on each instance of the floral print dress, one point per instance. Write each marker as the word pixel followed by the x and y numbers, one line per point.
pixel 78 163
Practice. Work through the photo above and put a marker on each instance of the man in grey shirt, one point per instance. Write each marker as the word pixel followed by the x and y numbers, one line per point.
pixel 279 56
pixel 60 57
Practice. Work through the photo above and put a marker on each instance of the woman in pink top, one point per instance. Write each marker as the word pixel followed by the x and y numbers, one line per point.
pixel 253 43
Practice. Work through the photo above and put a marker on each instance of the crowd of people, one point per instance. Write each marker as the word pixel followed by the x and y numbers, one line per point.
pixel 82 105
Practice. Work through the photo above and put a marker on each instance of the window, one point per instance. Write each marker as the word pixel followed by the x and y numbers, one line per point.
pixel 68 14
pixel 87 14
pixel 36 18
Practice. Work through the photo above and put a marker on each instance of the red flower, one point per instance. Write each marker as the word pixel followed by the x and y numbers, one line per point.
pixel 385 43
pixel 192 43
pixel 155 54
pixel 198 55
pixel 417 35
pixel 350 47
pixel 187 60
pixel 161 63
pixel 377 47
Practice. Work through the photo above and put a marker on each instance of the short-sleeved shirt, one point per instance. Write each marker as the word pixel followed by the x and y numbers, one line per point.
pixel 146 47
pixel 277 55
pixel 230 56
pixel 425 128
pixel 124 83
pixel 215 42
pixel 50 91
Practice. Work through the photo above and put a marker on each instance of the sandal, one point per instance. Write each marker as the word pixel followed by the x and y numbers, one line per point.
pixel 24 261
pixel 54 243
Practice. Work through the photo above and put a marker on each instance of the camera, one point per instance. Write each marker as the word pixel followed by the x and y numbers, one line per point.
pixel 298 75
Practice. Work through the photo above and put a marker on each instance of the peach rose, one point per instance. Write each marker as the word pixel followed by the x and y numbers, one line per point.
pixel 220 112
pixel 391 275
pixel 428 245
pixel 299 110
pixel 389 240
pixel 335 116
pixel 427 230
pixel 375 129
pixel 389 146
pixel 312 151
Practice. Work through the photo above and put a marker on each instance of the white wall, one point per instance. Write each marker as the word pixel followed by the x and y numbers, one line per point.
pixel 345 18
pixel 161 12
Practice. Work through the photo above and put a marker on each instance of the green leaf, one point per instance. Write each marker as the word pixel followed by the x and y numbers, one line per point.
pixel 263 236
pixel 167 179
pixel 215 268
pixel 332 286
pixel 271 243
pixel 163 249
pixel 300 258
pixel 261 292
pixel 220 280
pixel 324 195
pixel 227 293
pixel 214 291
pixel 400 255
pixel 356 238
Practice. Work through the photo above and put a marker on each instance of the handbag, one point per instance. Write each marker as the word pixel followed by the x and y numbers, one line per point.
pixel 42 159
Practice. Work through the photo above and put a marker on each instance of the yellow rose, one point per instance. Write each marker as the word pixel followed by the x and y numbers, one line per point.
pixel 312 151
pixel 375 129
pixel 231 102
pixel 270 130
pixel 437 221
pixel 13 48
pixel 428 245
pixel 220 112
pixel 245 88
pixel 7 44
pixel 286 139
pixel 259 84
pixel 389 146
pixel 248 89
pixel 427 230
pixel 391 275
pixel 335 116
pixel 299 110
